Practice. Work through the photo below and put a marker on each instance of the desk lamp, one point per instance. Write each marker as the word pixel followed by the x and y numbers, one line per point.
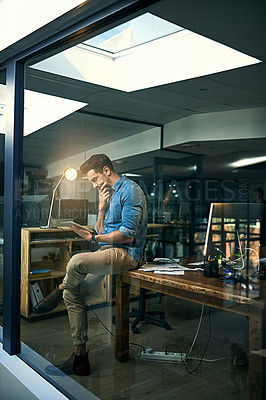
pixel 70 174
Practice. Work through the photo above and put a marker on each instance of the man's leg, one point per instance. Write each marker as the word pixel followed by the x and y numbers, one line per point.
pixel 82 276
pixel 76 302
pixel 84 271
pixel 102 262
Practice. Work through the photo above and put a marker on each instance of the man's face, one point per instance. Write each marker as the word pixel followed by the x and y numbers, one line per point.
pixel 97 179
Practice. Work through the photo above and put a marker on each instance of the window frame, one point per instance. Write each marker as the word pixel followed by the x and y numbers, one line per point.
pixel 15 71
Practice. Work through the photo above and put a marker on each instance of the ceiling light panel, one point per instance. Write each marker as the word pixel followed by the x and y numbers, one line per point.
pixel 248 161
pixel 40 109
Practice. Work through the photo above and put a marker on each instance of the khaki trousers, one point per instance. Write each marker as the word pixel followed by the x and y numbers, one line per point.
pixel 83 272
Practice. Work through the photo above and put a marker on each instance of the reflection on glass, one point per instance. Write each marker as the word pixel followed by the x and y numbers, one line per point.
pixel 178 214
pixel 238 238
pixel 2 147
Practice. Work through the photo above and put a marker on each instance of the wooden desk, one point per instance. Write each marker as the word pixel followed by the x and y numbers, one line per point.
pixel 193 286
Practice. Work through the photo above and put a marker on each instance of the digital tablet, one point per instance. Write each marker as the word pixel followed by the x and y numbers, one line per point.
pixel 73 223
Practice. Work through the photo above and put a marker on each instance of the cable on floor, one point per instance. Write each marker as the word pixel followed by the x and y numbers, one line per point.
pixel 111 333
pixel 197 332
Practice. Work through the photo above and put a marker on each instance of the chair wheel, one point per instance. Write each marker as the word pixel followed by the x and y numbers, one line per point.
pixel 135 329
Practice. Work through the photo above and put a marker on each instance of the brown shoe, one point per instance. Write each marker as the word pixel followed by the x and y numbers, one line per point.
pixel 49 302
pixel 75 365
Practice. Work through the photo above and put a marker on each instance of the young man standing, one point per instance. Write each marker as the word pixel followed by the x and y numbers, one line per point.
pixel 121 233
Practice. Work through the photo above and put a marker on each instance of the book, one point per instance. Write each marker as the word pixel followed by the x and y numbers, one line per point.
pixel 32 297
pixel 35 293
pixel 40 273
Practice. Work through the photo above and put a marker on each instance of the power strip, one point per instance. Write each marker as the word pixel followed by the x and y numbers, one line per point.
pixel 151 355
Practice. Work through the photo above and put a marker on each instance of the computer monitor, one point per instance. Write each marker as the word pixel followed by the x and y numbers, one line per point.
pixel 72 209
pixel 35 209
pixel 232 228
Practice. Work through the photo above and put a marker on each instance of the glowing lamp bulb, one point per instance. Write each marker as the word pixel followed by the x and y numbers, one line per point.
pixel 71 174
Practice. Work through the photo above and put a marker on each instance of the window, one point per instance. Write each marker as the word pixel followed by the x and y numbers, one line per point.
pixel 69 115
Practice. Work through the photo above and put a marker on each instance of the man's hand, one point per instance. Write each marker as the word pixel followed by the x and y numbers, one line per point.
pixel 82 232
pixel 104 195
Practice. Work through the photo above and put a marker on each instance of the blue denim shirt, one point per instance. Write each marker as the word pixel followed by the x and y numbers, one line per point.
pixel 127 212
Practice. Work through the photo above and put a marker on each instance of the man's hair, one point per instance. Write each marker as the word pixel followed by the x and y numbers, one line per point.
pixel 260 191
pixel 96 162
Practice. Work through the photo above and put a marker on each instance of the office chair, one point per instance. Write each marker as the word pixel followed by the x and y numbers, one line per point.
pixel 152 317
pixel 140 314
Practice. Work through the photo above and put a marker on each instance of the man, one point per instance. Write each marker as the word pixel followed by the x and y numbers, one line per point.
pixel 121 232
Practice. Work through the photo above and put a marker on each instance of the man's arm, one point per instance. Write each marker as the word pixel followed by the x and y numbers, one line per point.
pixel 109 238
pixel 100 220
pixel 113 237
pixel 104 195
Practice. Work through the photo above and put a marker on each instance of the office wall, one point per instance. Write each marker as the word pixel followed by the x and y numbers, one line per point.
pixel 227 125
pixel 136 144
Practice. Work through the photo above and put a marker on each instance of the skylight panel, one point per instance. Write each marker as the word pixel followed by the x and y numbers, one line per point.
pixel 133 57
pixel 140 30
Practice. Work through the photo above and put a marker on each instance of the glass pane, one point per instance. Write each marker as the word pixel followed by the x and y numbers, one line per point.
pixel 140 30
pixel 60 134
pixel 66 121
pixel 2 160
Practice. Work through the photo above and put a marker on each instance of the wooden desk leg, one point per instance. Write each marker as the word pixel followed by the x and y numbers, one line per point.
pixel 257 360
pixel 122 321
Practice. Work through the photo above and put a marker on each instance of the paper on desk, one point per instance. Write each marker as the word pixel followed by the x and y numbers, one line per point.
pixel 164 267
pixel 166 260
pixel 165 272
pixel 196 263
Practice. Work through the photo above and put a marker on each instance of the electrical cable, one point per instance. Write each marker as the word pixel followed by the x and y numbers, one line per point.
pixel 207 343
pixel 249 248
pixel 105 327
pixel 108 330
pixel 111 333
pixel 197 332
pixel 241 258
pixel 202 357
pixel 213 360
pixel 139 345
pixel 220 251
pixel 67 245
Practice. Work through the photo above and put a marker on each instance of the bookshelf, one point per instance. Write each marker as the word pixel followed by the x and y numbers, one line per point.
pixel 50 249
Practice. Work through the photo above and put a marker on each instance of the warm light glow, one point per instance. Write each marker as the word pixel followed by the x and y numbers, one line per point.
pixel 71 174
pixel 248 161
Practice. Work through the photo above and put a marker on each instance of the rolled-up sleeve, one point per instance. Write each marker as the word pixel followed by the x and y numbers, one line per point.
pixel 132 209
